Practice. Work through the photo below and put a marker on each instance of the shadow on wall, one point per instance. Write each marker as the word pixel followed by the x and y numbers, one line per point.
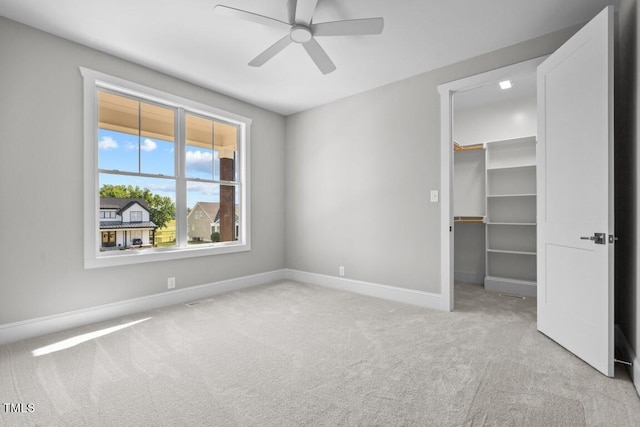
pixel 626 177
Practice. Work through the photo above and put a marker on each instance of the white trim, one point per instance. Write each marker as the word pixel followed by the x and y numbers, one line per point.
pixel 18 331
pixel 473 278
pixel 447 90
pixel 628 355
pixel 93 258
pixel 13 332
pixel 407 296
pixel 511 286
pixel 446 198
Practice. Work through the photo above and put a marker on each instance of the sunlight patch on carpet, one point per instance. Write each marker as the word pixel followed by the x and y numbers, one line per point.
pixel 79 339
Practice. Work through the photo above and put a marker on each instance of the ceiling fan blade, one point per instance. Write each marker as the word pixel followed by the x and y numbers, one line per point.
pixel 304 11
pixel 319 56
pixel 291 11
pixel 352 27
pixel 271 51
pixel 249 16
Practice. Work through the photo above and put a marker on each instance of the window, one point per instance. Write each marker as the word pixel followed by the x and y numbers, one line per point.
pixel 136 216
pixel 150 159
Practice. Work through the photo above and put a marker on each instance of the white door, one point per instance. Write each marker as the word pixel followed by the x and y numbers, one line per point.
pixel 575 188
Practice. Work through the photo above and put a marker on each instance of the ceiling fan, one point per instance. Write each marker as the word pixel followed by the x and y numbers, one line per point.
pixel 303 31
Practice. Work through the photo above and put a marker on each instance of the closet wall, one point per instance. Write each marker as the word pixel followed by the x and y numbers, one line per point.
pixel 468 211
pixel 475 123
pixel 483 115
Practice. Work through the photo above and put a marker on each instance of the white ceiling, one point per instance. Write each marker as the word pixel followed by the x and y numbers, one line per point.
pixel 186 39
pixel 524 87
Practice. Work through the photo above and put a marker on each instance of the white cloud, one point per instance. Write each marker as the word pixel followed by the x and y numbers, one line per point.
pixel 200 161
pixel 148 145
pixel 107 143
pixel 195 157
pixel 205 188
pixel 171 187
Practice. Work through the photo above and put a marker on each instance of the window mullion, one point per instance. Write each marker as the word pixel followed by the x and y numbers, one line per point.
pixel 139 137
pixel 213 149
pixel 181 181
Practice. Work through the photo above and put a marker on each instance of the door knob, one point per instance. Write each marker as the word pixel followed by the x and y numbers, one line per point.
pixel 598 238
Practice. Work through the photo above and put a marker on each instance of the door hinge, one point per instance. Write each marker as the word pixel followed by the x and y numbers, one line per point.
pixel 624 362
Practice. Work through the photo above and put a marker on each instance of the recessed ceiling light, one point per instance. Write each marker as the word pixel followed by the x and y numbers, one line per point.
pixel 505 84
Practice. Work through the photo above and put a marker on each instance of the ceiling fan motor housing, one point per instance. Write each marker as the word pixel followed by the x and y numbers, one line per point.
pixel 300 34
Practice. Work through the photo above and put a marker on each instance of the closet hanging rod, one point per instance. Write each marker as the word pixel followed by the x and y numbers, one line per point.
pixel 458 147
pixel 469 219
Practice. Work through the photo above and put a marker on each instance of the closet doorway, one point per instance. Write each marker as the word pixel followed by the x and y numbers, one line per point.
pixel 491 238
pixel 494 185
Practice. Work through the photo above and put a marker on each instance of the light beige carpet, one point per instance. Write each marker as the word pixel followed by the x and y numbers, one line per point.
pixel 290 354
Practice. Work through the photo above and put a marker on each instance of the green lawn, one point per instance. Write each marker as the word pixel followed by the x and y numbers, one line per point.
pixel 166 236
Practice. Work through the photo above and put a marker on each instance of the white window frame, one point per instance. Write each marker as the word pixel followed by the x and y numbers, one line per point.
pixel 138 215
pixel 93 257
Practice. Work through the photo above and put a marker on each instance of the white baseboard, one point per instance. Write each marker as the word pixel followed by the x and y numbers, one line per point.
pixel 628 355
pixel 407 296
pixel 13 332
pixel 18 331
pixel 511 286
pixel 473 278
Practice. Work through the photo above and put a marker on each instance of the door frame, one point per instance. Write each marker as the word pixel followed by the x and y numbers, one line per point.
pixel 447 91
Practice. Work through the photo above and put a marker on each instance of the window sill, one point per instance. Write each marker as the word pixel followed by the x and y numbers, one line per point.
pixel 140 256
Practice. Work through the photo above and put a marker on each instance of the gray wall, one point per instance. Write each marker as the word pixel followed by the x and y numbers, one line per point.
pixel 469 199
pixel 359 171
pixel 507 119
pixel 41 181
pixel 469 252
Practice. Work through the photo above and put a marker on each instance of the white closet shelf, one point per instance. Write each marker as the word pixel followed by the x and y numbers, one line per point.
pixel 520 166
pixel 511 216
pixel 512 223
pixel 503 251
pixel 511 195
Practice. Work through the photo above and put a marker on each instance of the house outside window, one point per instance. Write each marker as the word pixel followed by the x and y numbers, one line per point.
pixel 160 157
pixel 129 228
pixel 205 223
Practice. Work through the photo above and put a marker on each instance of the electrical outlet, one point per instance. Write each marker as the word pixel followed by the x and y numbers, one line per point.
pixel 171 282
pixel 341 270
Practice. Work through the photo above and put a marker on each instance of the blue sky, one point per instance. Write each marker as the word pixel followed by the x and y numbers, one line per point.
pixel 128 153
